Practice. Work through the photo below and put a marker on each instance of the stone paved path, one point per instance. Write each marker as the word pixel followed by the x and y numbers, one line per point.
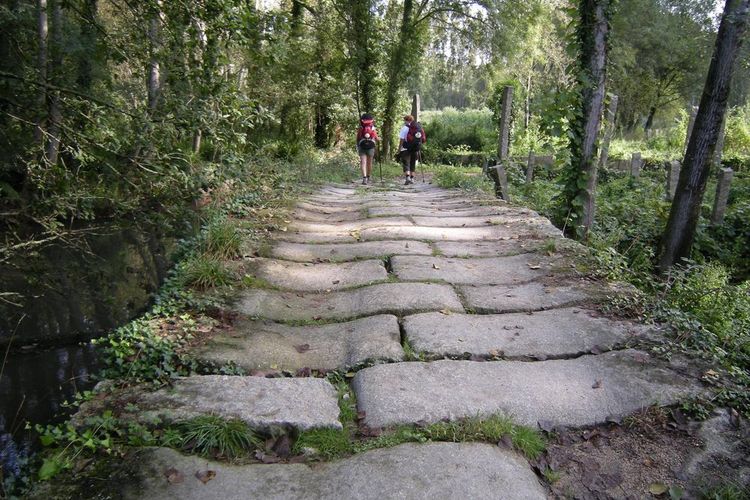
pixel 359 275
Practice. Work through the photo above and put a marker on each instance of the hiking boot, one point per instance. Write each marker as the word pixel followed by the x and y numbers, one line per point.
pixel 408 181
pixel 364 181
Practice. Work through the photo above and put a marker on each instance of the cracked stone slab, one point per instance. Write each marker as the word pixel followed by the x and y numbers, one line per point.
pixel 535 296
pixel 414 471
pixel 436 211
pixel 547 334
pixel 384 298
pixel 478 221
pixel 502 248
pixel 319 276
pixel 313 216
pixel 262 403
pixel 266 345
pixel 325 209
pixel 486 271
pixel 572 392
pixel 458 233
pixel 342 252
pixel 323 227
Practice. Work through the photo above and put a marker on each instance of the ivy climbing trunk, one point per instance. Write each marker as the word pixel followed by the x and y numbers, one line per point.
pixel 396 76
pixel 580 190
pixel 685 213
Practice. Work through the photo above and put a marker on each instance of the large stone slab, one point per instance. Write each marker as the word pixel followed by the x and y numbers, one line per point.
pixel 434 211
pixel 319 276
pixel 547 334
pixel 463 249
pixel 476 221
pixel 341 252
pixel 575 392
pixel 384 298
pixel 262 403
pixel 486 271
pixel 490 233
pixel 266 345
pixel 350 226
pixel 414 471
pixel 487 299
pixel 314 216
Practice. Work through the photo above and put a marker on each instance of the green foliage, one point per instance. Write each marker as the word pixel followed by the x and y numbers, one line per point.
pixel 203 272
pixel 137 352
pixel 222 240
pixel 462 178
pixel 214 436
pixel 332 444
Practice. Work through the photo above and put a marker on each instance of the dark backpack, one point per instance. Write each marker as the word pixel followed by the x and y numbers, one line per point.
pixel 415 137
pixel 366 134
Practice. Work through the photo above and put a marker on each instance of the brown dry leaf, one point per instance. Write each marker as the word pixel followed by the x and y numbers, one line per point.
pixel 317 318
pixel 205 476
pixel 447 312
pixel 336 282
pixel 597 384
pixel 435 266
pixel 534 267
pixel 302 348
pixel 173 476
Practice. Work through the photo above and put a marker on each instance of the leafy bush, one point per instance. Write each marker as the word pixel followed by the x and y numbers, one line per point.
pixel 203 272
pixel 451 128
pixel 222 239
pixel 467 179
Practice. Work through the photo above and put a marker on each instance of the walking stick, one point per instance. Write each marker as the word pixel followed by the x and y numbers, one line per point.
pixel 380 166
pixel 419 159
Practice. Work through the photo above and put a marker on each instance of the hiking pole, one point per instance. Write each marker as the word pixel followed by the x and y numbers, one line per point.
pixel 380 166
pixel 419 159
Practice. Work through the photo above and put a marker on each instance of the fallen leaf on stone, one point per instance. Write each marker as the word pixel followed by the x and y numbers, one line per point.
pixel 435 266
pixel 304 372
pixel 445 311
pixel 406 246
pixel 302 348
pixel 317 318
pixel 336 282
pixel 597 384
pixel 173 476
pixel 205 476
pixel 657 489
pixel 534 267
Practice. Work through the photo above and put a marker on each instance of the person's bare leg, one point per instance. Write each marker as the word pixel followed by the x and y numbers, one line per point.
pixel 363 167
pixel 369 166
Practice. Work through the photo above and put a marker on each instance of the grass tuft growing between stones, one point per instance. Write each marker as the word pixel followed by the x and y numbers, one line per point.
pixel 213 436
pixel 203 272
pixel 222 240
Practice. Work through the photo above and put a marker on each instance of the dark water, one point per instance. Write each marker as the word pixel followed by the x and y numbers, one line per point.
pixel 33 388
pixel 69 294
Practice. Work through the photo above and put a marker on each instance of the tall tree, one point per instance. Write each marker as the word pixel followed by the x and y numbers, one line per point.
pixel 685 212
pixel 580 183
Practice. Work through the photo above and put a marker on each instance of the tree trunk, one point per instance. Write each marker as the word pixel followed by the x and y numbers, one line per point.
pixel 41 108
pixel 154 68
pixel 364 58
pixel 685 213
pixel 55 111
pixel 89 42
pixel 650 119
pixel 527 104
pixel 396 75
pixel 592 34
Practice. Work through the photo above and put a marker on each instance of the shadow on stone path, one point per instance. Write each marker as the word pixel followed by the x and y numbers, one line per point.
pixel 360 274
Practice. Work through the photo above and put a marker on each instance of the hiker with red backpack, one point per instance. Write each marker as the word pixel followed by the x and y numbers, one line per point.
pixel 410 140
pixel 367 139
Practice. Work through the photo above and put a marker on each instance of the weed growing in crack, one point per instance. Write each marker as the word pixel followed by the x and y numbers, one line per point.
pixel 211 435
pixel 222 240
pixel 203 272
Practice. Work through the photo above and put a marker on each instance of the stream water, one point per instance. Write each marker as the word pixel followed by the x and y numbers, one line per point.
pixel 70 295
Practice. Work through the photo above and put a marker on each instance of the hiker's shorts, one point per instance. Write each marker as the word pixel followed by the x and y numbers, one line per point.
pixel 366 152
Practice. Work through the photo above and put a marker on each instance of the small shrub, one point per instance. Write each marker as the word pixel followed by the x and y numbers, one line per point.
pixel 204 273
pixel 213 436
pixel 223 240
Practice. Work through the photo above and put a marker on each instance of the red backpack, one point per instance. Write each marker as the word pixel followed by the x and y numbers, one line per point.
pixel 415 137
pixel 367 134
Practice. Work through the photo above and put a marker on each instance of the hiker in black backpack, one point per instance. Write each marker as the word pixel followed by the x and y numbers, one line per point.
pixel 410 140
pixel 367 139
